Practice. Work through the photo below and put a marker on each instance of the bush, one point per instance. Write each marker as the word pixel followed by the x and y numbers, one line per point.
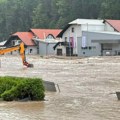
pixel 9 95
pixel 6 83
pixel 21 88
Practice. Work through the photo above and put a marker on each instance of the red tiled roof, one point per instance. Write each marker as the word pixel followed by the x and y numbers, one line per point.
pixel 115 24
pixel 26 37
pixel 42 33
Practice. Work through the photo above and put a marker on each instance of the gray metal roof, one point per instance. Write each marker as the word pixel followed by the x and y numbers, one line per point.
pixel 102 36
pixel 87 21
pixel 107 41
pixel 3 42
pixel 46 40
pixel 104 32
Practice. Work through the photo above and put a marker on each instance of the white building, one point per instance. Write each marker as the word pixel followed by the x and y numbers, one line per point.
pixel 26 38
pixel 112 25
pixel 73 31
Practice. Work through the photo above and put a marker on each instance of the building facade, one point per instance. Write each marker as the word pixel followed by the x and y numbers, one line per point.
pixel 26 38
pixel 32 47
pixel 73 31
pixel 45 47
pixel 89 37
pixel 98 44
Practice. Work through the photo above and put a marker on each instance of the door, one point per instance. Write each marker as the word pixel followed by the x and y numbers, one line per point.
pixel 69 51
pixel 106 49
pixel 59 52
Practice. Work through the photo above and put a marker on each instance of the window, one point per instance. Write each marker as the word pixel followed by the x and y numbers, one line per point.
pixel 13 42
pixel 73 30
pixel 84 48
pixel 30 50
pixel 19 41
pixel 65 39
pixel 50 37
pixel 90 47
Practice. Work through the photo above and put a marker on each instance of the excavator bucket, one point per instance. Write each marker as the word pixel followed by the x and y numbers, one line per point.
pixel 27 64
pixel 30 65
pixel 118 95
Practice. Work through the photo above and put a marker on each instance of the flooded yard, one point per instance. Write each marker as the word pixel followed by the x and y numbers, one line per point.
pixel 85 88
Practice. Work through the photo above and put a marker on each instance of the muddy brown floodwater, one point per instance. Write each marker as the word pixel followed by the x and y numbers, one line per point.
pixel 85 84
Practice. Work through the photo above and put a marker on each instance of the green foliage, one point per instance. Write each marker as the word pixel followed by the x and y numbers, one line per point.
pixel 9 95
pixel 21 15
pixel 110 9
pixel 17 88
pixel 6 83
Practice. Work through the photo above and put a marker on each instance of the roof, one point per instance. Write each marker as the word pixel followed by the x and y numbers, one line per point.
pixel 103 36
pixel 81 22
pixel 3 42
pixel 46 40
pixel 114 23
pixel 26 37
pixel 87 21
pixel 104 32
pixel 43 33
pixel 65 28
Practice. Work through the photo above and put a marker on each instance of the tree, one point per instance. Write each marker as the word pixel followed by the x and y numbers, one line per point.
pixel 110 9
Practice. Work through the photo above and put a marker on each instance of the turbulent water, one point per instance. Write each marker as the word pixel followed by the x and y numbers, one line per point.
pixel 86 87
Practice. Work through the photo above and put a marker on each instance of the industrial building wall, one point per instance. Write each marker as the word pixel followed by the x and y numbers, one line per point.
pixel 78 32
pixel 42 49
pixel 94 48
pixel 108 27
pixel 50 49
pixel 46 48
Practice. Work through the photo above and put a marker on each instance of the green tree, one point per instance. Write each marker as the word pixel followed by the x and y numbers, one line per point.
pixel 110 9
pixel 45 14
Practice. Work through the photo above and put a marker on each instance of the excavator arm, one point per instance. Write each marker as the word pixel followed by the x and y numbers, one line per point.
pixel 21 49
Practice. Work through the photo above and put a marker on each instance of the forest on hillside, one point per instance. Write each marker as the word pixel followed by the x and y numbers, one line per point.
pixel 21 15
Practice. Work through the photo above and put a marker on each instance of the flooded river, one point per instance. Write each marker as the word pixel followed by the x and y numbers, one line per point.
pixel 86 87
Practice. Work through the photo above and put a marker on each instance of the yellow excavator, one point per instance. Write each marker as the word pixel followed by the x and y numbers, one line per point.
pixel 21 48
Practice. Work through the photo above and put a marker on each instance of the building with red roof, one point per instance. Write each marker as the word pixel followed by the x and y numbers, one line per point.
pixel 45 40
pixel 112 25
pixel 45 33
pixel 27 38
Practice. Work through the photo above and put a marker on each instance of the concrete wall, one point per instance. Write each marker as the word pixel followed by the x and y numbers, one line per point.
pixel 68 33
pixel 108 27
pixel 46 48
pixel 87 27
pixel 78 32
pixel 96 46
pixel 93 49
